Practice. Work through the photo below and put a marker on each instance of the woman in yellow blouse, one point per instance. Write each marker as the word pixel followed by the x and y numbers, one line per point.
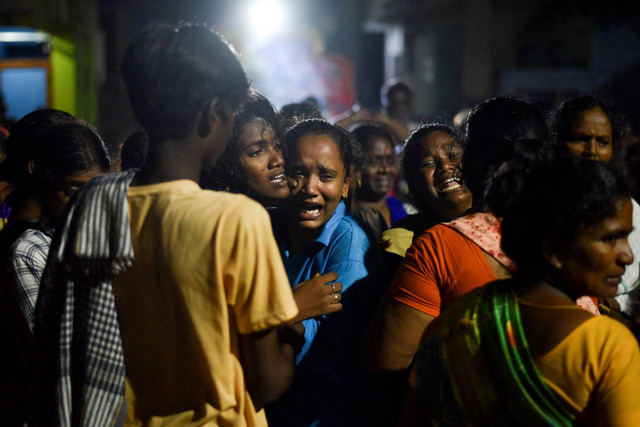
pixel 520 350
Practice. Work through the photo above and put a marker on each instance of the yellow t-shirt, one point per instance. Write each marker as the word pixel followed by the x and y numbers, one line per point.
pixel 207 269
pixel 400 240
pixel 595 371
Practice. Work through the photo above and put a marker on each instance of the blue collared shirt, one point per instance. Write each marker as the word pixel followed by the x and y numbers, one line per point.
pixel 342 246
pixel 327 366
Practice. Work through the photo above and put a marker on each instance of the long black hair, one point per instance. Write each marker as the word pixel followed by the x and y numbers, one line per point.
pixel 24 142
pixel 66 149
pixel 495 131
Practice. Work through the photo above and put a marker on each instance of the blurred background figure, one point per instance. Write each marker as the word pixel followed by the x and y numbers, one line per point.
pixel 460 118
pixel 587 126
pixel 4 135
pixel 632 163
pixel 376 178
pixel 5 123
pixel 5 186
pixel 69 155
pixel 396 97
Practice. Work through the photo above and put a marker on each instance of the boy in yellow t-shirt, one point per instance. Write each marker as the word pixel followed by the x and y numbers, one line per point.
pixel 204 304
pixel 201 306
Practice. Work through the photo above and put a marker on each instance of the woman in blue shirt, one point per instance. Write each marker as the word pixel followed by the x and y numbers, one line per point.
pixel 319 236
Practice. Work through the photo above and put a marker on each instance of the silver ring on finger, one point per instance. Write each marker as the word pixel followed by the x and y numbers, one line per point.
pixel 333 288
pixel 335 297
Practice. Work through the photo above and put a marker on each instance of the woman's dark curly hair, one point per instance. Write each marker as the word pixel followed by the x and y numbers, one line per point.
pixel 557 199
pixel 561 120
pixel 347 146
pixel 492 132
pixel 227 175
pixel 292 113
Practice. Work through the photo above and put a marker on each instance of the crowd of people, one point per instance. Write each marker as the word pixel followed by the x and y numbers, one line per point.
pixel 244 265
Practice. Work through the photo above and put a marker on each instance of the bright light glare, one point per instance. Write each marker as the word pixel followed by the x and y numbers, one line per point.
pixel 266 17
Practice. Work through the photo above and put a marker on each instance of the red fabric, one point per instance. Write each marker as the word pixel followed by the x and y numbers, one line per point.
pixel 441 265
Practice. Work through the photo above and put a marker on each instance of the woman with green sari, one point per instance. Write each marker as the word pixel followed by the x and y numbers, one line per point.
pixel 519 350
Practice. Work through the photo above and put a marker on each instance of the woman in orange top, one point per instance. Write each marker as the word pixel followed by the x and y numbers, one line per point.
pixel 451 259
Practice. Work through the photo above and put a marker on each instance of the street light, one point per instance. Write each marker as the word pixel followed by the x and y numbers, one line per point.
pixel 267 18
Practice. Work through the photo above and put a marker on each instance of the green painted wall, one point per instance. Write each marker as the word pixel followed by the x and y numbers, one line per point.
pixel 73 24
pixel 64 94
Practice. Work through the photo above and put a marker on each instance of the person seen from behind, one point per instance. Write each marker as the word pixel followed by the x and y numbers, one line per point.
pixel 202 299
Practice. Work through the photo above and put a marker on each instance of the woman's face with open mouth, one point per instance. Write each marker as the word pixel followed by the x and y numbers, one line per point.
pixel 438 178
pixel 262 161
pixel 319 180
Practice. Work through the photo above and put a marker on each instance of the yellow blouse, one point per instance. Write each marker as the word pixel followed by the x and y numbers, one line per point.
pixel 595 371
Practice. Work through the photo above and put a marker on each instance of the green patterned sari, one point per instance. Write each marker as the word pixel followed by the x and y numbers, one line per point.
pixel 476 369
